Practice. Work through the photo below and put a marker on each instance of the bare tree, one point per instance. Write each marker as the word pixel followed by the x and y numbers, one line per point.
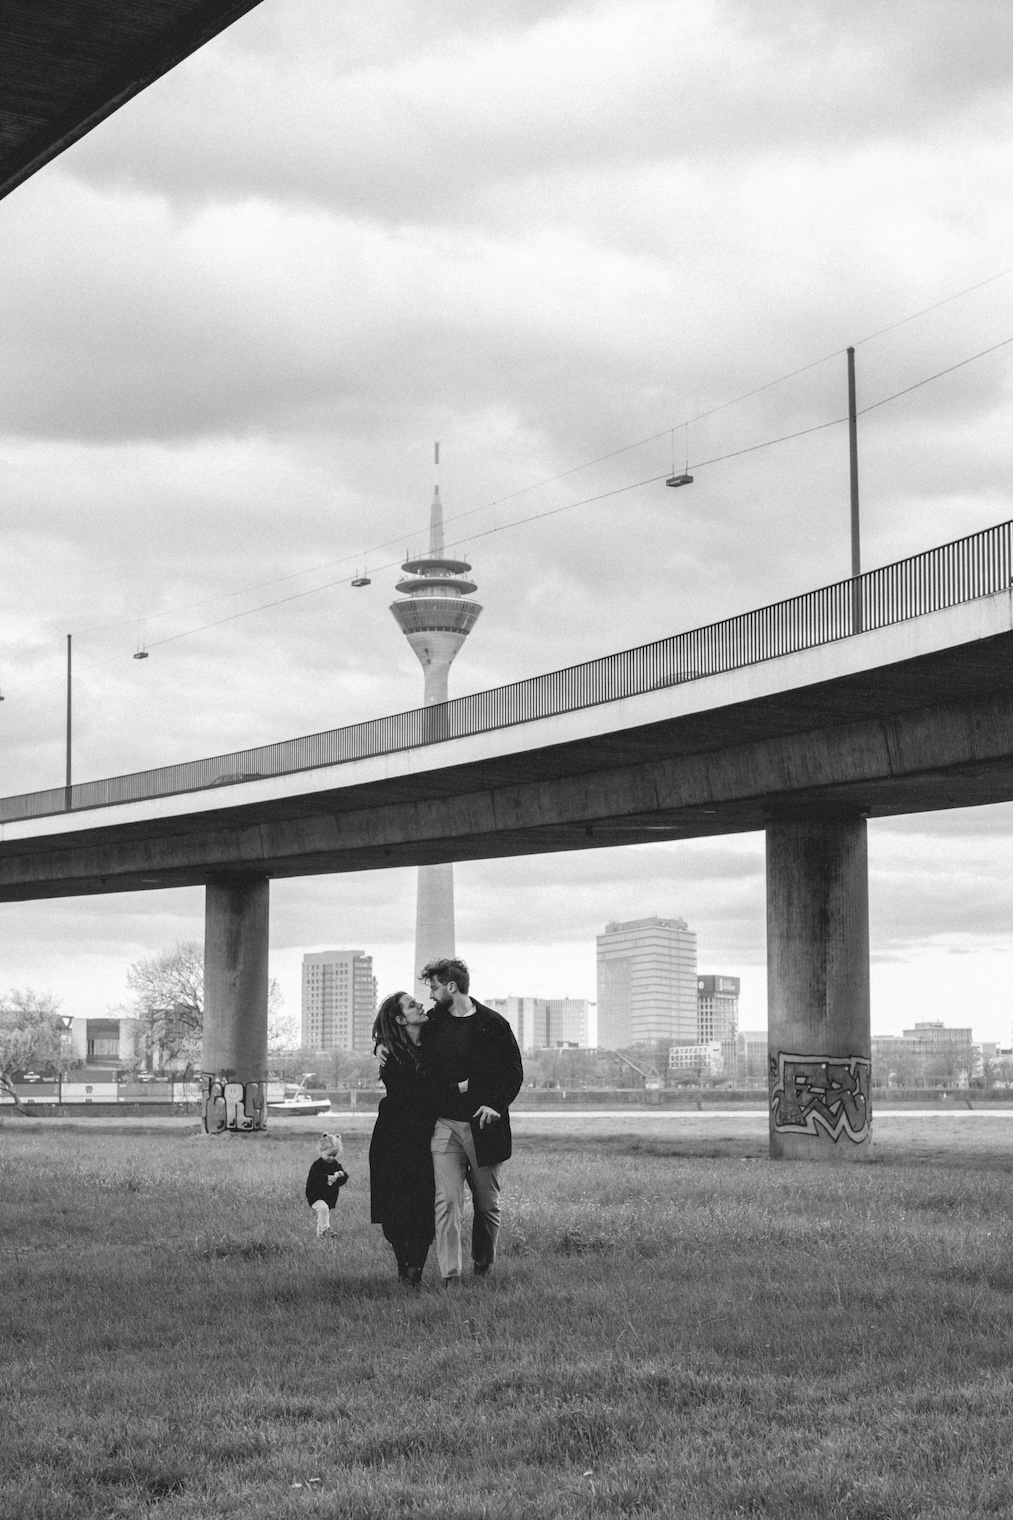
pixel 29 1036
pixel 282 1028
pixel 948 1063
pixel 168 1001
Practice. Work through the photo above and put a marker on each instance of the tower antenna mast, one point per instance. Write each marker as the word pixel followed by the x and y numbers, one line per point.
pixel 435 614
pixel 436 511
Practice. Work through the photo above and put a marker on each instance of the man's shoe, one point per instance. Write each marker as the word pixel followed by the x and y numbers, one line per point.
pixel 453 1281
pixel 483 1268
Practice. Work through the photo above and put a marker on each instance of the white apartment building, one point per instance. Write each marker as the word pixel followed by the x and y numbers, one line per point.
pixel 110 1042
pixel 705 1060
pixel 545 1023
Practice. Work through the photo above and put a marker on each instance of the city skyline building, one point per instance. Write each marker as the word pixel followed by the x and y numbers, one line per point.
pixel 436 618
pixel 546 1023
pixel 751 1057
pixel 647 983
pixel 930 1052
pixel 717 1014
pixel 705 1059
pixel 117 1040
pixel 338 1000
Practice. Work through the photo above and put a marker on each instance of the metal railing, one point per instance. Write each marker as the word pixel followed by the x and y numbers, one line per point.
pixel 972 567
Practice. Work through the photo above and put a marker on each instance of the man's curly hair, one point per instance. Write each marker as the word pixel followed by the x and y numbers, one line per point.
pixel 447 970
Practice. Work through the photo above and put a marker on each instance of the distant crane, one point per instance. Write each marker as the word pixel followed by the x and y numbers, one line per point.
pixel 651 1076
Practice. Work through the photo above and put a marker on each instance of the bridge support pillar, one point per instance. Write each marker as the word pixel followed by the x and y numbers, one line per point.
pixel 234 1062
pixel 819 1040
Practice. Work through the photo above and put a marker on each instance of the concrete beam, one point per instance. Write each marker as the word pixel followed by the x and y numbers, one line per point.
pixel 936 757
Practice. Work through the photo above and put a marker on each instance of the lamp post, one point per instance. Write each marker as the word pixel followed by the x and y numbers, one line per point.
pixel 66 1024
pixel 67 790
pixel 856 548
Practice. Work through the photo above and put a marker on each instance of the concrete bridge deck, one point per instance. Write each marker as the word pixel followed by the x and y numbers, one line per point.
pixel 907 718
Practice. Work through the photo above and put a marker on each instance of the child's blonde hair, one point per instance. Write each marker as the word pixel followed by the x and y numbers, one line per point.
pixel 330 1145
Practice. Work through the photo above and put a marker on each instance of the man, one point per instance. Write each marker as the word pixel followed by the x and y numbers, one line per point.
pixel 476 1073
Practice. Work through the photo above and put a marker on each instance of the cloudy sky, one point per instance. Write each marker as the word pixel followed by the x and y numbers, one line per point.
pixel 235 316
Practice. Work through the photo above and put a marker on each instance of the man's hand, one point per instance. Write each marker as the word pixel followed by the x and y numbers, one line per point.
pixel 486 1115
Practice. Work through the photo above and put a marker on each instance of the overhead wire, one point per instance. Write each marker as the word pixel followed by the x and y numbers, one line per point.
pixel 603 495
pixel 836 421
pixel 573 470
pixel 345 580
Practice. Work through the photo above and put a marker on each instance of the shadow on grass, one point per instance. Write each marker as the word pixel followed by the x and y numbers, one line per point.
pixel 245 1250
pixel 734 1148
pixel 897 1154
pixel 150 1487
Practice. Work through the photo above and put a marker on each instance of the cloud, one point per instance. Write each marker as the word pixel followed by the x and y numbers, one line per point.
pixel 426 124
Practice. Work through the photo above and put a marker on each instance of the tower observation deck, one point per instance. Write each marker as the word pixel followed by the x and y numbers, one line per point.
pixel 436 618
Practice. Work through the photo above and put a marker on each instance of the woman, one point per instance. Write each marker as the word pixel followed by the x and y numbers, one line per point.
pixel 400 1161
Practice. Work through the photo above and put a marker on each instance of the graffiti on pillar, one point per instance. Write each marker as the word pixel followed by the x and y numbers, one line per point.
pixel 814 1095
pixel 233 1105
pixel 214 1103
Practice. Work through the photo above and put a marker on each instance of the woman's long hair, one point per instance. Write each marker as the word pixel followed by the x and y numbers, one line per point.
pixel 392 1035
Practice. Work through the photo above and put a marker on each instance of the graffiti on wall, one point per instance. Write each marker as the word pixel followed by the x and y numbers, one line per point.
pixel 231 1105
pixel 828 1095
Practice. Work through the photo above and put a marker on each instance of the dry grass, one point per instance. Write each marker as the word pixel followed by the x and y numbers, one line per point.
pixel 666 1334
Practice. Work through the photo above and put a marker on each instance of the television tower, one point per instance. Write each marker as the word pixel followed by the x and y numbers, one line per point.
pixel 435 618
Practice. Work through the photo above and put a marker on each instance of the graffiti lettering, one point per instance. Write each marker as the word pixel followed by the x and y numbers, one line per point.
pixel 213 1096
pixel 232 1106
pixel 810 1094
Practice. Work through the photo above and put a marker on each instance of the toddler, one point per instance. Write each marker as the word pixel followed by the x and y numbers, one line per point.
pixel 326 1176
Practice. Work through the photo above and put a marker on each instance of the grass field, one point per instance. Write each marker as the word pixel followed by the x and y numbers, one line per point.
pixel 675 1327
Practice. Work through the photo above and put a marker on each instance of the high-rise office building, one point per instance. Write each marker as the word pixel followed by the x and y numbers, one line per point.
pixel 338 1000
pixel 436 618
pixel 717 1014
pixel 647 983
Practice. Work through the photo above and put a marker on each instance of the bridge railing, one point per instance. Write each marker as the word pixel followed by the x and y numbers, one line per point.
pixel 961 571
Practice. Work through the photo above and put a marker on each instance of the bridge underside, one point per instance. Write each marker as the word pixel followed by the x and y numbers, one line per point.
pixel 68 64
pixel 865 744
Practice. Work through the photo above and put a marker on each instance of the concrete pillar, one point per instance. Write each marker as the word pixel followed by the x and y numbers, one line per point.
pixel 434 918
pixel 434 903
pixel 819 1040
pixel 234 1062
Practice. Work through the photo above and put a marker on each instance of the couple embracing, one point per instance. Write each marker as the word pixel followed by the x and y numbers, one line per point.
pixel 451 1074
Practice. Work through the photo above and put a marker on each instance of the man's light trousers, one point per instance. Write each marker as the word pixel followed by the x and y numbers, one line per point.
pixel 454 1164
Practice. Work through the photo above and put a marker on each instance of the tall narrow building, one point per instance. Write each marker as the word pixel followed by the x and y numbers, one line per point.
pixel 338 1000
pixel 436 618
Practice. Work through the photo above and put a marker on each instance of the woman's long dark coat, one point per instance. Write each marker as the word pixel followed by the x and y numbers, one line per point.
pixel 401 1185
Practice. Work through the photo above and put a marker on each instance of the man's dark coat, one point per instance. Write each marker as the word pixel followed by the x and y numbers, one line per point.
pixel 496 1077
